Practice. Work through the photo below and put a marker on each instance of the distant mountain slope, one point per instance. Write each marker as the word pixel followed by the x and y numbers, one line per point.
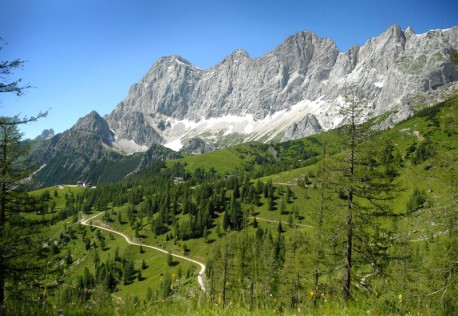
pixel 288 93
pixel 78 152
pixel 85 152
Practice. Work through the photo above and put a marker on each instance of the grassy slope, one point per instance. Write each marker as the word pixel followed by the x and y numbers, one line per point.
pixel 426 175
pixel 224 161
pixel 156 261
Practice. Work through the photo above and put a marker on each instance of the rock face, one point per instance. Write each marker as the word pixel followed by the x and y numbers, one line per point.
pixel 308 126
pixel 196 146
pixel 290 92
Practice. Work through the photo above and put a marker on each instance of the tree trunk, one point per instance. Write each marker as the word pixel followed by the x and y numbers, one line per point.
pixel 225 273
pixel 349 223
pixel 3 219
pixel 348 261
pixel 251 295
pixel 2 288
pixel 315 286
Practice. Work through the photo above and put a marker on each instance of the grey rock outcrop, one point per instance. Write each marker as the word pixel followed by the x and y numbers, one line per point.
pixel 134 127
pixel 157 153
pixel 93 125
pixel 46 134
pixel 196 146
pixel 307 126
pixel 304 75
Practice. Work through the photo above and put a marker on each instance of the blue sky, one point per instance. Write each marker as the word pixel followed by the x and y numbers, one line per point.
pixel 83 55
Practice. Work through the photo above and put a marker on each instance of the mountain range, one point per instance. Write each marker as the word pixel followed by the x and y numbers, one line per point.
pixel 293 91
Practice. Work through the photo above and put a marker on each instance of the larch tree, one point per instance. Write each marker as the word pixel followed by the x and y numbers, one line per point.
pixel 320 253
pixel 364 188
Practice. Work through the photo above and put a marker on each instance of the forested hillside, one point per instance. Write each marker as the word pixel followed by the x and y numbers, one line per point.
pixel 351 221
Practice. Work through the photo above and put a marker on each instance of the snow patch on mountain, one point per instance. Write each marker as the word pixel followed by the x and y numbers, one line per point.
pixel 129 146
pixel 247 127
pixel 175 145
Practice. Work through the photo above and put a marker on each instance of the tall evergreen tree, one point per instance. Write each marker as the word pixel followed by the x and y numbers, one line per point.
pixel 18 248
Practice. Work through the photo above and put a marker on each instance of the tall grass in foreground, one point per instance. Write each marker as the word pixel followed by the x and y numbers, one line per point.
pixel 202 307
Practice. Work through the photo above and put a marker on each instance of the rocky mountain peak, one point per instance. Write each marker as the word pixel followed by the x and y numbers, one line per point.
pixel 291 91
pixel 239 53
pixel 409 32
pixel 396 31
pixel 94 124
pixel 90 122
pixel 74 154
pixel 302 46
pixel 172 61
pixel 177 61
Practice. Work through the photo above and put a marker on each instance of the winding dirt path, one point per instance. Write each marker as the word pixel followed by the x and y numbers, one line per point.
pixel 200 278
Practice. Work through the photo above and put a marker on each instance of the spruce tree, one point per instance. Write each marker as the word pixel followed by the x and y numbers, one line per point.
pixel 170 259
